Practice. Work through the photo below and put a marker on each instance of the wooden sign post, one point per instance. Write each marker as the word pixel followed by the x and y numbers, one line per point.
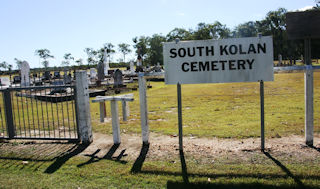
pixel 305 25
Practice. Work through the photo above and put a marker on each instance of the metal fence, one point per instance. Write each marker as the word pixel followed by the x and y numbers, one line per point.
pixel 38 112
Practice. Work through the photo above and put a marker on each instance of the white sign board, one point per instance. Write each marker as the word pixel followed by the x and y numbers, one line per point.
pixel 219 61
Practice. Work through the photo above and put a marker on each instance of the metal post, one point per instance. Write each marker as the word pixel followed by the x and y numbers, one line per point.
pixel 308 87
pixel 262 113
pixel 8 113
pixel 182 159
pixel 143 108
pixel 83 107
pixel 180 116
pixel 115 122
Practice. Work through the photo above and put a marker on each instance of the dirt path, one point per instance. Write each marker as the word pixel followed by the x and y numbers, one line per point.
pixel 165 148
pixel 205 149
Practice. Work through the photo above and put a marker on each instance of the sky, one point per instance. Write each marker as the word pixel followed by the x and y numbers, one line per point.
pixel 70 26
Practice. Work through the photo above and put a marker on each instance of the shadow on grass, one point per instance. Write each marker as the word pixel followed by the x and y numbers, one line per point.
pixel 187 184
pixel 137 166
pixel 75 150
pixel 111 151
pixel 183 167
pixel 285 169
pixel 207 185
pixel 94 158
pixel 228 175
pixel 31 154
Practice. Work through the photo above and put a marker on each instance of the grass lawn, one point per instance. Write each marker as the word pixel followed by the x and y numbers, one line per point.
pixel 64 171
pixel 209 110
pixel 223 110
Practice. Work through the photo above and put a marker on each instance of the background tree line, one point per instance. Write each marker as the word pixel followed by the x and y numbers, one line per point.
pixel 273 24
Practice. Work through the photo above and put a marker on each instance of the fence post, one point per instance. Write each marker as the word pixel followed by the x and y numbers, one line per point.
pixel 125 110
pixel 8 113
pixel 115 122
pixel 102 111
pixel 262 114
pixel 143 108
pixel 308 88
pixel 83 107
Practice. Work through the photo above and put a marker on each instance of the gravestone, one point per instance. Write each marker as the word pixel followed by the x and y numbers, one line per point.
pixel 131 67
pixel 56 75
pixel 139 61
pixel 106 63
pixel 157 68
pixel 93 73
pixel 280 59
pixel 110 72
pixel 4 81
pixel 67 78
pixel 16 79
pixel 100 71
pixel 65 71
pixel 25 72
pixel 118 80
pixel 46 75
pixel 58 89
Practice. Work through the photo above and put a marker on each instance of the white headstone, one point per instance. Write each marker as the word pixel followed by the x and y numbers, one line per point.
pixel 131 67
pixel 5 81
pixel 106 63
pixel 93 73
pixel 139 62
pixel 25 72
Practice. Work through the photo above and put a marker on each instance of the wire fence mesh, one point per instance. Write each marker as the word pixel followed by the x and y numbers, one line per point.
pixel 41 109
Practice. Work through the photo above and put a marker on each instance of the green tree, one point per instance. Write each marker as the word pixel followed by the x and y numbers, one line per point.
pixel 180 33
pixel 4 65
pixel 124 49
pixel 44 54
pixel 274 24
pixel 317 6
pixel 18 63
pixel 91 53
pixel 79 61
pixel 155 50
pixel 109 47
pixel 211 31
pixel 202 32
pixel 140 44
pixel 219 31
pixel 247 29
pixel 9 67
pixel 107 50
pixel 67 58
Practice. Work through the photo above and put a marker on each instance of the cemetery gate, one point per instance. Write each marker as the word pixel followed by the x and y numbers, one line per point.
pixel 38 112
